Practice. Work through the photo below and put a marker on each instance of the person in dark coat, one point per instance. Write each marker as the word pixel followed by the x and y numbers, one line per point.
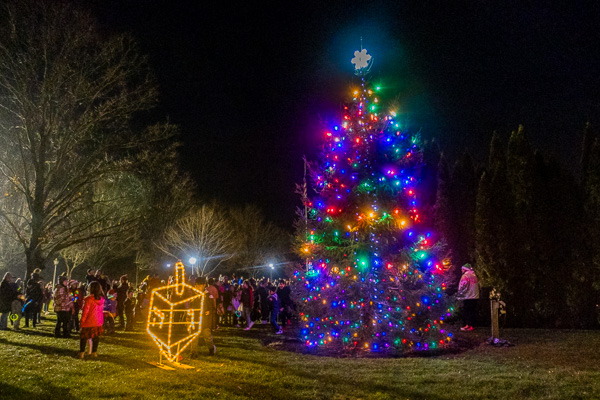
pixel 255 315
pixel 76 292
pixel 129 307
pixel 209 317
pixel 285 301
pixel 263 300
pixel 8 294
pixel 34 298
pixel 104 282
pixel 226 298
pixel 247 301
pixel 275 306
pixel 89 278
pixel 122 290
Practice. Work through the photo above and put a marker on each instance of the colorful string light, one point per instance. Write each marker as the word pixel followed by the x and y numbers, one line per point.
pixel 374 280
pixel 175 315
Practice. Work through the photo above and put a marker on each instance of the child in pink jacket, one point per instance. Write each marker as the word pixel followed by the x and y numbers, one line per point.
pixel 92 319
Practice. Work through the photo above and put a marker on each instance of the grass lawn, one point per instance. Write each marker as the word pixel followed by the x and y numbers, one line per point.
pixel 544 364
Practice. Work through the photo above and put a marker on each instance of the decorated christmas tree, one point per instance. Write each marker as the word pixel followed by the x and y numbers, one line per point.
pixel 373 277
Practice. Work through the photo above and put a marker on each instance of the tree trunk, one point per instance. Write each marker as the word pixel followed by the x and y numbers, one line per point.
pixel 34 260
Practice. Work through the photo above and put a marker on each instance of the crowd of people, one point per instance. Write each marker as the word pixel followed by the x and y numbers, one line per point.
pixel 236 302
pixel 242 303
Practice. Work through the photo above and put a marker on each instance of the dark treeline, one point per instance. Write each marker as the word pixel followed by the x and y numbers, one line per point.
pixel 528 224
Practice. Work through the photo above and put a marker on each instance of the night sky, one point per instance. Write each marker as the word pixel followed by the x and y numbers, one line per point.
pixel 248 84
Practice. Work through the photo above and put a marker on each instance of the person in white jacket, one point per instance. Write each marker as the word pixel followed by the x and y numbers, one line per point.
pixel 468 292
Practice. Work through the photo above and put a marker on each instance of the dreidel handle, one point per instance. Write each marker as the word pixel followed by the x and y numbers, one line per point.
pixel 179 277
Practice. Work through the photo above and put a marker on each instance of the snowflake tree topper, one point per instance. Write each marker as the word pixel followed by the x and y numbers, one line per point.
pixel 361 62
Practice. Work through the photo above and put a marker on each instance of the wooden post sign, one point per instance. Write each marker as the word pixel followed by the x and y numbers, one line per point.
pixel 495 307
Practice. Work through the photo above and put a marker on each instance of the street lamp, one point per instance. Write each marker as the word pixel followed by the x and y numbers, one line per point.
pixel 272 268
pixel 54 275
pixel 193 261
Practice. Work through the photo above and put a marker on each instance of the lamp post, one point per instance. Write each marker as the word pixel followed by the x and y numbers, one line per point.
pixel 55 262
pixel 193 261
pixel 137 273
pixel 272 268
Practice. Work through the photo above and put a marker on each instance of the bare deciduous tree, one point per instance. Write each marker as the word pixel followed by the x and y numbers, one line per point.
pixel 258 241
pixel 205 233
pixel 66 100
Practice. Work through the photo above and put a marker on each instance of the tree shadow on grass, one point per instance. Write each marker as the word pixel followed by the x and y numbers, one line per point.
pixel 141 343
pixel 42 348
pixel 10 391
pixel 71 353
pixel 341 384
pixel 125 362
pixel 35 333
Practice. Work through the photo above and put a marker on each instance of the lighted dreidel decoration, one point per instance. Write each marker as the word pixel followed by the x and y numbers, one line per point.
pixel 175 316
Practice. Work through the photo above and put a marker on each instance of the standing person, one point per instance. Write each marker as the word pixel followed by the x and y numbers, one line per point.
pixel 209 317
pixel 215 292
pixel 468 292
pixel 47 297
pixel 89 278
pixel 256 300
pixel 226 297
pixel 8 294
pixel 92 318
pixel 122 290
pixel 129 306
pixel 236 298
pixel 75 291
pixel 274 306
pixel 285 300
pixel 110 309
pixel 17 305
pixel 34 298
pixel 263 299
pixel 247 303
pixel 142 302
pixel 105 283
pixel 63 307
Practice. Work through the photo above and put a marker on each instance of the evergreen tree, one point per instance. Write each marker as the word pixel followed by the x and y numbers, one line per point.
pixel 537 234
pixel 497 158
pixel 524 265
pixel 374 279
pixel 592 213
pixel 500 216
pixel 503 260
pixel 464 193
pixel 562 283
pixel 588 140
pixel 443 210
pixel 429 177
pixel 519 167
pixel 486 251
